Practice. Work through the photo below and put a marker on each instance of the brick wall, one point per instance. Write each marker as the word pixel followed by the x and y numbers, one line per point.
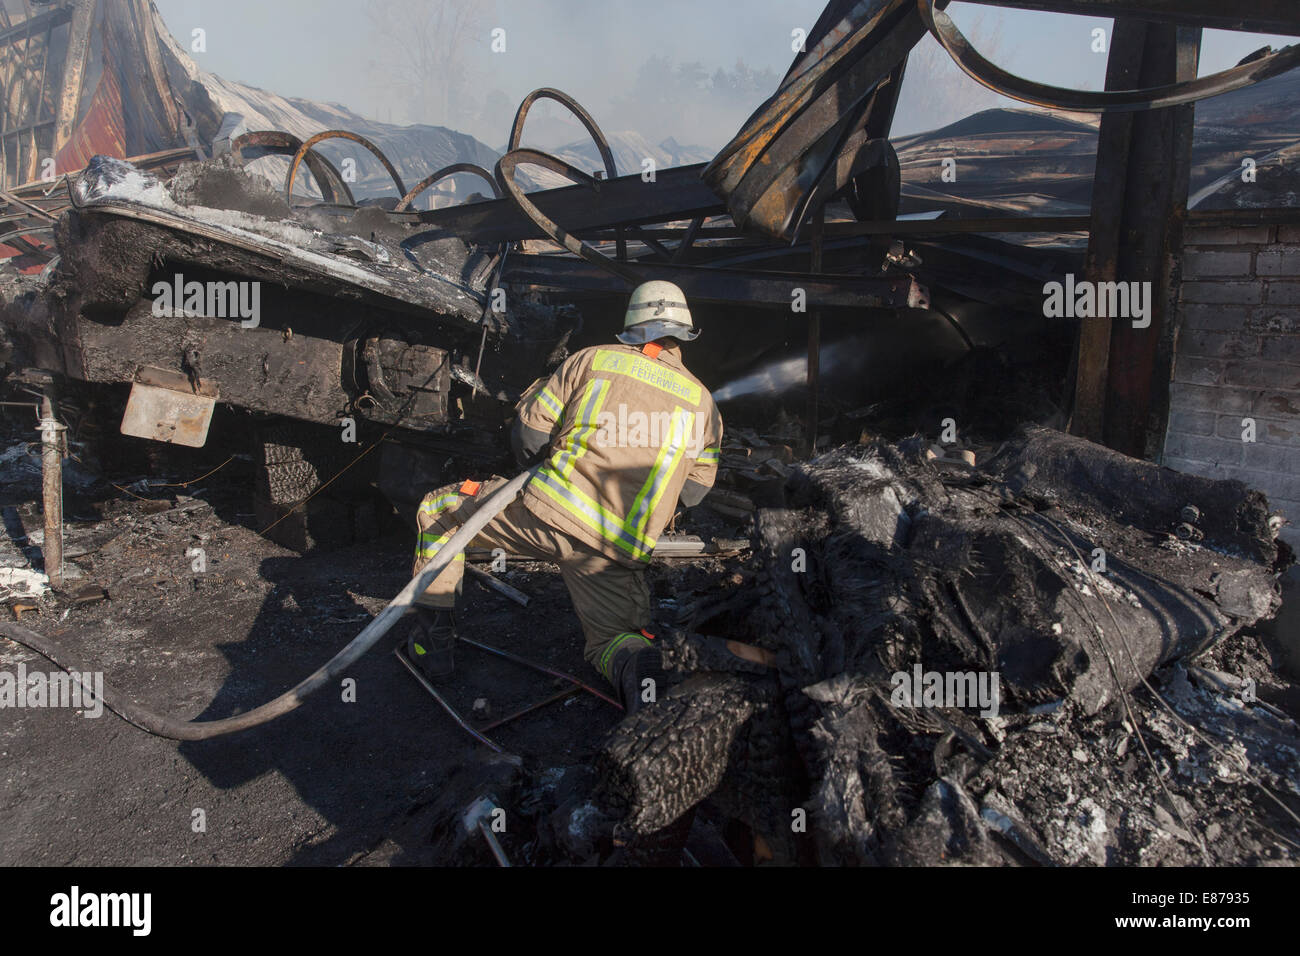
pixel 1238 356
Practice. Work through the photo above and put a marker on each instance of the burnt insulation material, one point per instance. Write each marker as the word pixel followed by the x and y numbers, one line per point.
pixel 1063 569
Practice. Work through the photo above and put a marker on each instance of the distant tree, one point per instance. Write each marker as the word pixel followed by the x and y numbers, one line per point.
pixel 496 115
pixel 428 71
pixel 684 101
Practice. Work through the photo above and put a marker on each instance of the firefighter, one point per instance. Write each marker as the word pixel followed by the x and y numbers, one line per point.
pixel 625 434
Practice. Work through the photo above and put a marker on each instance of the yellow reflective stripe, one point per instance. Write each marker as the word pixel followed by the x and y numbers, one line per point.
pixel 666 476
pixel 430 544
pixel 608 525
pixel 438 505
pixel 627 533
pixel 551 401
pixel 583 426
pixel 567 451
pixel 614 645
pixel 709 455
pixel 648 372
pixel 670 455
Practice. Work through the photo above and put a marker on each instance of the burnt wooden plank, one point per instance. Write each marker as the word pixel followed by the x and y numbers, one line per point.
pixel 1139 212
pixel 1142 359
pixel 1110 181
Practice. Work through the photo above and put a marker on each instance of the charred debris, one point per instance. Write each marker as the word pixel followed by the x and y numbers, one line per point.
pixel 1008 645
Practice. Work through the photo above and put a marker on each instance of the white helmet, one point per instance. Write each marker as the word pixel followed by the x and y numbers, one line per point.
pixel 657 310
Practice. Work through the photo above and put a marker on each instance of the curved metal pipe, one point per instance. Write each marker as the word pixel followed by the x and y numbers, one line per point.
pixel 338 134
pixel 572 105
pixel 593 130
pixel 277 143
pixel 1117 101
pixel 443 173
pixel 505 173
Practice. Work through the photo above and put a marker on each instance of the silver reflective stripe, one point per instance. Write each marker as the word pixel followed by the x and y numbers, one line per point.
pixel 608 525
pixel 583 427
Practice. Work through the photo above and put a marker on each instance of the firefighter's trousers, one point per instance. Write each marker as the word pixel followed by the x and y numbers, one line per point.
pixel 611 599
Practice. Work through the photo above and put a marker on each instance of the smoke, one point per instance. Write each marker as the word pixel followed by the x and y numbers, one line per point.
pixel 779 376
pixel 690 70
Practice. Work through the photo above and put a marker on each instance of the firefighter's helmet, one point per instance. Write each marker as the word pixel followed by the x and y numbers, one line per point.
pixel 657 310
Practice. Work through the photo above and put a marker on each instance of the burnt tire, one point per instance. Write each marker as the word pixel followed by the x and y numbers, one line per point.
pixel 288 482
pixel 663 760
pixel 311 488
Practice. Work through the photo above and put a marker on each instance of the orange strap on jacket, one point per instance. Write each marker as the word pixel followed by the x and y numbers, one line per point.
pixel 470 488
pixel 652 349
pixel 647 635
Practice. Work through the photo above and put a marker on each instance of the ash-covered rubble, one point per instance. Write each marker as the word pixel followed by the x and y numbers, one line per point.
pixel 1105 599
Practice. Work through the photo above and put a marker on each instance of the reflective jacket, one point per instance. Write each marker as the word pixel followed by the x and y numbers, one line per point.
pixel 629 425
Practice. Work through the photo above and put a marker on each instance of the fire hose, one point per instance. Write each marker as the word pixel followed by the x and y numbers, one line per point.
pixel 175 729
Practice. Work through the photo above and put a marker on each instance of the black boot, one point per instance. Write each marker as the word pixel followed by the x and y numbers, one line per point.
pixel 632 667
pixel 430 645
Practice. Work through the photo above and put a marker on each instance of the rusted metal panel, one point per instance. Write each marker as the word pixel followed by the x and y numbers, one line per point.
pixel 102 132
pixel 163 406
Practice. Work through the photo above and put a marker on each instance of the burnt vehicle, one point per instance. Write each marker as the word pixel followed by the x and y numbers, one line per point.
pixel 341 317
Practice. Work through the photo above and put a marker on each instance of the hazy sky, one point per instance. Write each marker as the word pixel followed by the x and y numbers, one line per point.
pixel 329 50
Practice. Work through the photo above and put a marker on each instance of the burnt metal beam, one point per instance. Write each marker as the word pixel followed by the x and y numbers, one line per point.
pixel 758 288
pixel 39 22
pixel 29 128
pixel 938 227
pixel 74 69
pixel 677 193
pixel 1258 16
pixel 1279 216
pixel 890 227
pixel 692 233
pixel 676 234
